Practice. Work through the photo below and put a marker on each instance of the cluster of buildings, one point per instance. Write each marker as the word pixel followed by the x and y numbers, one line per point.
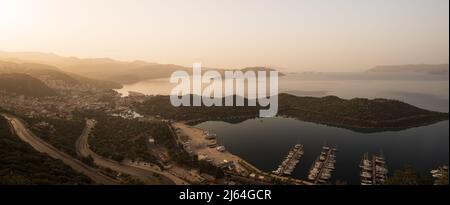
pixel 54 107
pixel 69 100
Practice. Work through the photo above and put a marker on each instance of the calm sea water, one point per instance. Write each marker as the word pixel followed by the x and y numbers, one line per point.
pixel 425 91
pixel 265 142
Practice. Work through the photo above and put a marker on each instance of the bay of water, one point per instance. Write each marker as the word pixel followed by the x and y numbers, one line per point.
pixel 425 91
pixel 265 142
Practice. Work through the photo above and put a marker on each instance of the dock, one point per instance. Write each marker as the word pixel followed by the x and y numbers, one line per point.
pixel 323 166
pixel 289 163
pixel 373 170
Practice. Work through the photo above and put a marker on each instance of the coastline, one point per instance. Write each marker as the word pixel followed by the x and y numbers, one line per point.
pixel 198 142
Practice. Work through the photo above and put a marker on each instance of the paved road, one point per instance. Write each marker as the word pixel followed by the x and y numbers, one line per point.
pixel 40 145
pixel 145 174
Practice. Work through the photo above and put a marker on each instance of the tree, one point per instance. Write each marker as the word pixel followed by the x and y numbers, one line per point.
pixel 408 176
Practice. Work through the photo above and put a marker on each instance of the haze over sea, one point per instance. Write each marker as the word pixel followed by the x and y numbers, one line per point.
pixel 424 147
pixel 423 90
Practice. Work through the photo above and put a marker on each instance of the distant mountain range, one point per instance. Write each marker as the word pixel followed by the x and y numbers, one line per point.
pixel 23 84
pixel 105 68
pixel 435 69
pixel 51 73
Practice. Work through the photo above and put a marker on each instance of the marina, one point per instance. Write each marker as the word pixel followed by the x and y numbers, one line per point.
pixel 323 166
pixel 289 163
pixel 373 170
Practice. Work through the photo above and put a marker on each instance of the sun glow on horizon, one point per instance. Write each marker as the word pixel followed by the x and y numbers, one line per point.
pixel 16 14
pixel 324 35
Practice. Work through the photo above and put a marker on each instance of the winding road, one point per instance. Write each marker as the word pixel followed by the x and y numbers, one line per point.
pixel 145 174
pixel 40 145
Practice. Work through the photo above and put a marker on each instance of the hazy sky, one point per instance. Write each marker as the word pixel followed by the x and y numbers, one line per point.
pixel 325 35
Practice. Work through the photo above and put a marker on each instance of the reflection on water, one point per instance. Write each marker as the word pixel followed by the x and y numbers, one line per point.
pixel 265 142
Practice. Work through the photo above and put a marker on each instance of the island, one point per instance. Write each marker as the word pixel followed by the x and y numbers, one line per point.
pixel 358 114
